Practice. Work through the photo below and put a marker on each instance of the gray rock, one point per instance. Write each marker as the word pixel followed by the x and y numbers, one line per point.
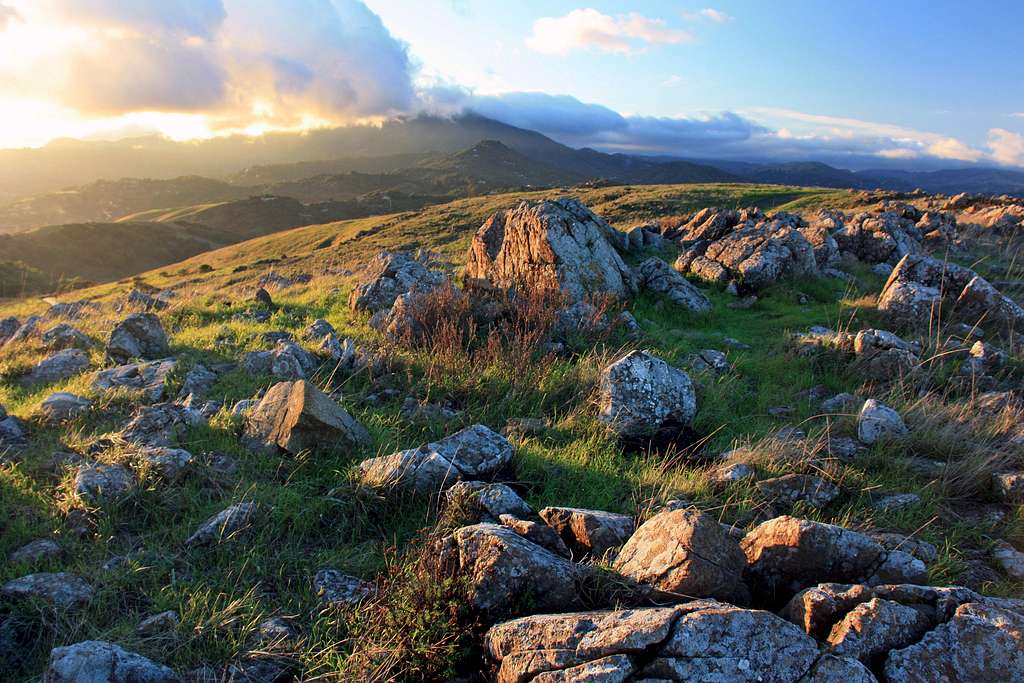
pixel 709 359
pixel 874 627
pixel 35 551
pixel 297 416
pixel 840 403
pixel 170 463
pixel 336 588
pixel 65 336
pixel 536 532
pixel 640 394
pixel 318 329
pixel 96 481
pixel 158 624
pixel 198 382
pixel 223 526
pixel 737 471
pixel 160 425
pixel 896 501
pixel 25 331
pixel 1010 559
pixel 148 378
pixel 1009 486
pixel 589 532
pixel 878 422
pixel 61 590
pixel 140 335
pixel 388 276
pixel 57 367
pixel 97 661
pixel 657 276
pixel 792 488
pixel 496 499
pixel 64 406
pixel 8 326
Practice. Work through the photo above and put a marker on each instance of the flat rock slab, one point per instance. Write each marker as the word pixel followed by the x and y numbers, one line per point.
pixel 97 661
pixel 589 532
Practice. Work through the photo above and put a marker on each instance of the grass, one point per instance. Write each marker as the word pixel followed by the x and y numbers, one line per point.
pixel 311 514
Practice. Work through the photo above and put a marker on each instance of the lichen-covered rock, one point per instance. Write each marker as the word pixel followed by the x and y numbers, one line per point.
pixel 658 276
pixel 785 555
pixel 388 276
pixel 161 424
pixel 536 532
pixel 883 237
pixel 878 422
pixel 149 378
pixel 8 326
pixel 789 489
pixel 833 669
pixel 508 574
pixel 589 532
pixel 979 644
pixel 64 336
pixel 198 382
pixel 874 627
pixel 883 356
pixel 12 431
pixel 1009 486
pixel 57 367
pixel 60 590
pixel 223 526
pixel 35 550
pixel 25 331
pixel 170 463
pixel 64 406
pixel 338 589
pixel 471 453
pixel 910 304
pixel 97 661
pixel 288 361
pixel 981 302
pixel 641 394
pixel 684 553
pixel 158 624
pixel 495 499
pixel 95 481
pixel 140 335
pixel 550 245
pixel 297 416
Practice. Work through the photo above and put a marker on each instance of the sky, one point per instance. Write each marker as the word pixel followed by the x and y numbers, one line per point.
pixel 859 83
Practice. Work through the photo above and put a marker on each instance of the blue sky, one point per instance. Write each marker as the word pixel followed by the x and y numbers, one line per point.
pixel 859 84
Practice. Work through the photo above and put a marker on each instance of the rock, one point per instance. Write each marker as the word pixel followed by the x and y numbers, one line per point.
pixel 786 554
pixel 388 276
pixel 149 378
pixel 980 643
pixel 97 661
pixel 883 356
pixel 840 403
pixel 550 245
pixel 296 416
pixel 158 624
pixel 709 359
pixel 64 406
pixel 263 298
pixel 57 367
pixel 657 276
pixel 198 382
pixel 496 499
pixel 338 589
pixel 318 329
pixel 25 331
pixel 288 361
pixel 415 411
pixel 642 394
pixel 471 453
pixel 921 549
pixel 64 336
pixel 140 335
pixel 910 304
pixel 160 425
pixel 35 551
pixel 874 627
pixel 538 533
pixel 223 526
pixel 832 669
pixel 589 532
pixel 12 432
pixel 1010 559
pixel 507 574
pixel 524 427
pixel 878 422
pixel 737 471
pixel 8 326
pixel 62 590
pixel 979 302
pixel 170 463
pixel 882 237
pixel 896 501
pixel 1009 486
pixel 683 553
pixel 96 481
pixel 792 488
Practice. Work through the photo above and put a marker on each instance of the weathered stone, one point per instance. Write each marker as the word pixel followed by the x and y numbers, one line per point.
pixel 883 356
pixel 980 302
pixel 97 661
pixel 149 378
pixel 158 624
pixel 550 245
pixel 471 453
pixel 910 304
pixel 223 526
pixel 874 627
pixel 792 488
pixel 589 532
pixel 25 331
pixel 95 481
pixel 878 422
pixel 709 359
pixel 684 553
pixel 333 587
pixel 60 590
pixel 737 471
pixel 657 276
pixel 507 574
pixel 832 669
pixel 64 406
pixel 495 499
pixel 388 276
pixel 1010 559
pixel 8 326
pixel 64 336
pixel 882 237
pixel 896 501
pixel 35 551
pixel 198 382
pixel 538 533
pixel 140 335
pixel 160 425
pixel 297 416
pixel 57 367
pixel 170 463
pixel 641 394
pixel 1009 486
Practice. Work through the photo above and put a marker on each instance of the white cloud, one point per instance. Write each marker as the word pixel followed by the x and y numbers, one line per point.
pixel 8 15
pixel 710 13
pixel 588 28
pixel 673 81
pixel 1007 147
pixel 1018 114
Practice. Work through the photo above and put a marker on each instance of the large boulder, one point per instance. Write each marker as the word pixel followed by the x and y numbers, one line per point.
pixel 472 453
pixel 296 416
pixel 141 336
pixel 785 555
pixel 506 574
pixel 97 661
pixel 550 245
pixel 57 367
pixel 388 276
pixel 641 394
pixel 149 378
pixel 884 237
pixel 684 554
pixel 658 276
pixel 589 532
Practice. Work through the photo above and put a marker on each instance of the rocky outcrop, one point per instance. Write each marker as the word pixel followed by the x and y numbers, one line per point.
pixel 589 532
pixel 472 453
pixel 297 416
pixel 506 574
pixel 64 336
pixel 161 424
pixel 551 245
pixel 148 378
pixel 684 554
pixel 97 661
pixel 639 395
pixel 139 336
pixel 388 276
pixel 883 237
pixel 288 361
pixel 57 367
pixel 657 276
pixel 97 481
